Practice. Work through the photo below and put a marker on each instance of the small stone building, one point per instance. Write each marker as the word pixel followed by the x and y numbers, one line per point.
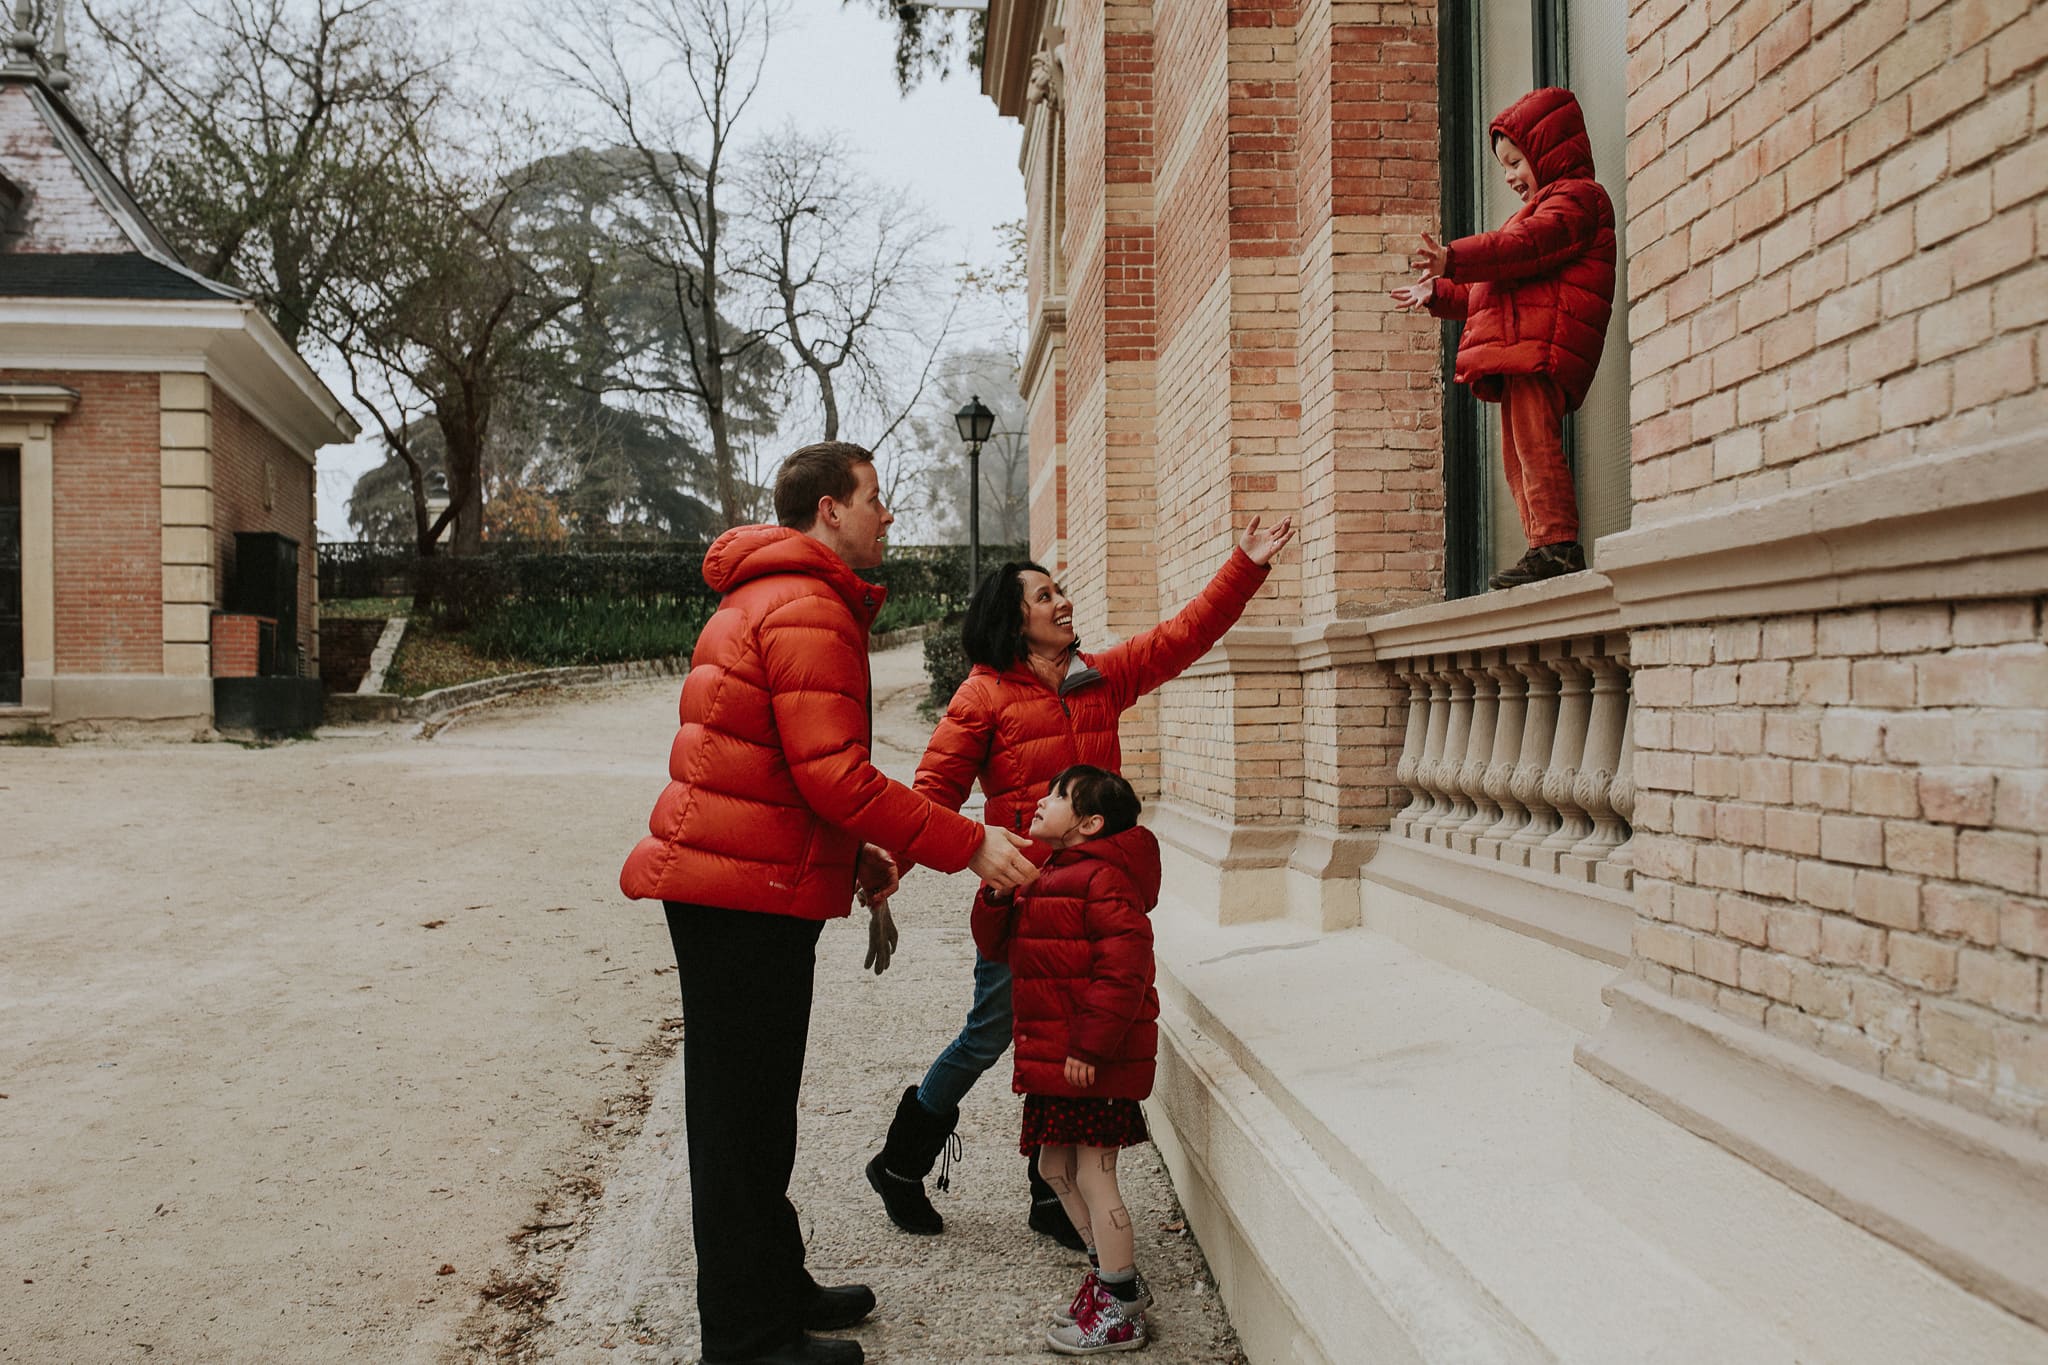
pixel 1645 964
pixel 147 416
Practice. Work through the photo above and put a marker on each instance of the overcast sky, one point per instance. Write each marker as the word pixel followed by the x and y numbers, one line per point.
pixel 832 68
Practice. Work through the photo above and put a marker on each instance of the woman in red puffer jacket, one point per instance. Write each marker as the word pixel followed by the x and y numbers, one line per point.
pixel 1535 298
pixel 1033 705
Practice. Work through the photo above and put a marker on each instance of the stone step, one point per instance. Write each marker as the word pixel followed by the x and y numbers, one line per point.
pixel 1352 1116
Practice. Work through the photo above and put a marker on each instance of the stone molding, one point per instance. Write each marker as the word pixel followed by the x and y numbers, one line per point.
pixel 1964 1194
pixel 28 417
pixel 1223 844
pixel 1048 331
pixel 227 340
pixel 37 400
pixel 1971 523
pixel 1558 608
pixel 1593 921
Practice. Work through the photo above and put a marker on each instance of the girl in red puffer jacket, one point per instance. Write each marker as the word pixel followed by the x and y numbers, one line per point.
pixel 1078 942
pixel 1535 298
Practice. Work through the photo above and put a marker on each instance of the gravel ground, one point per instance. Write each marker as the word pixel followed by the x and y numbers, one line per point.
pixel 348 1050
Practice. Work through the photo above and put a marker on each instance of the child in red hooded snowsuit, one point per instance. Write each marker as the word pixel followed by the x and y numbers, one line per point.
pixel 1535 298
pixel 1078 942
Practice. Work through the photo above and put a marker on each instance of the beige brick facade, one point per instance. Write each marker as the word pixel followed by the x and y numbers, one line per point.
pixel 1839 836
pixel 1779 770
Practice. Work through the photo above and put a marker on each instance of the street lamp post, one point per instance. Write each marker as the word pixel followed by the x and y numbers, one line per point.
pixel 976 424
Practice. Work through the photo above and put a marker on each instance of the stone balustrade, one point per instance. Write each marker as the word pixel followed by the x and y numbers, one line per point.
pixel 1521 753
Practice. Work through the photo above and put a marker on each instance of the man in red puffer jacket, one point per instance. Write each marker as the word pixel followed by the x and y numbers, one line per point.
pixel 773 813
pixel 1535 298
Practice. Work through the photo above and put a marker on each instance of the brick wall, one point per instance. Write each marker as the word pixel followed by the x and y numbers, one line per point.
pixel 1237 361
pixel 1371 443
pixel 251 466
pixel 106 523
pixel 1837 216
pixel 1840 837
pixel 1112 338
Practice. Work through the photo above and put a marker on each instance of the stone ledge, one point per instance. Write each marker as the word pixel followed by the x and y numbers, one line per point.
pixel 1961 1193
pixel 446 704
pixel 1555 609
pixel 1972 523
pixel 1590 920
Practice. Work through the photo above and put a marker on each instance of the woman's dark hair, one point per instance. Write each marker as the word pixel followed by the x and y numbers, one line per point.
pixel 1098 791
pixel 993 632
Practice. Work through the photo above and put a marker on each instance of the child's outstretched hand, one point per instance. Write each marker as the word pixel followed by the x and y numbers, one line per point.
pixel 1080 1074
pixel 1409 297
pixel 1431 258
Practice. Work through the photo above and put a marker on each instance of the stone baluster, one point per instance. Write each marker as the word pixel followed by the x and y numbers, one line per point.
pixel 1478 752
pixel 1604 725
pixel 1561 774
pixel 1410 672
pixel 1539 732
pixel 1619 870
pixel 1456 807
pixel 1432 750
pixel 1509 719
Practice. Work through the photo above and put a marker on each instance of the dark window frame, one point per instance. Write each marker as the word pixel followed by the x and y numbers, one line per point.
pixel 1467 535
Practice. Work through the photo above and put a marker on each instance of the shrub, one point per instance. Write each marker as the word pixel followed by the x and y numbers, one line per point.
pixel 945 663
pixel 901 613
pixel 555 634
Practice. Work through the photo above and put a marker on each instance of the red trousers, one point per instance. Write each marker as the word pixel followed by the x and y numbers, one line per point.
pixel 1532 452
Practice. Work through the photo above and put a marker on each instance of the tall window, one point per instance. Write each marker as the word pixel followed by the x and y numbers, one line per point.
pixel 1492 53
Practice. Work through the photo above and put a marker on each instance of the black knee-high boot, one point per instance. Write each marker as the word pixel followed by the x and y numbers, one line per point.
pixel 1048 1214
pixel 916 1136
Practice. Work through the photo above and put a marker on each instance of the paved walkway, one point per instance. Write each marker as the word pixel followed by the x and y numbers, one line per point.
pixel 980 1292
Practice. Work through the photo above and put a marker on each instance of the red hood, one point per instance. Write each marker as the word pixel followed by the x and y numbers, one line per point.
pixel 749 552
pixel 1135 850
pixel 1551 131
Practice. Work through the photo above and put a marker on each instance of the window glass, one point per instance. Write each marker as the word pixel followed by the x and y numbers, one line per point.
pixel 1597 435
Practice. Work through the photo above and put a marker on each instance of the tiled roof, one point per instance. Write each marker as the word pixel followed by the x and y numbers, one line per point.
pixel 125 275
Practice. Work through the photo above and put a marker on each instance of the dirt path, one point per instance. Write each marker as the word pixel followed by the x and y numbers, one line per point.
pixel 254 1103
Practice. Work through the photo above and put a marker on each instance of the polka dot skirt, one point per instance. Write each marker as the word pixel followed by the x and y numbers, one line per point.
pixel 1063 1121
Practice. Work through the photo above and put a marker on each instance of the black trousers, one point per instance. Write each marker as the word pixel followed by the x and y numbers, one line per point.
pixel 746 980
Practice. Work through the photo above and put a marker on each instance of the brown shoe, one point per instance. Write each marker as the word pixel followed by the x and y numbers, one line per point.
pixel 1544 561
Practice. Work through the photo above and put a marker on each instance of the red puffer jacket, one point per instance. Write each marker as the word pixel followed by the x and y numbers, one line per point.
pixel 773 792
pixel 1536 295
pixel 1079 945
pixel 1016 734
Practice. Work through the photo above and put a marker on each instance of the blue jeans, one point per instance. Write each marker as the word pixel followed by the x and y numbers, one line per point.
pixel 982 1041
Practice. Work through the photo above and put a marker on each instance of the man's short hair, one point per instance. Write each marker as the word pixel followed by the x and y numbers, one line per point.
pixel 1098 791
pixel 821 470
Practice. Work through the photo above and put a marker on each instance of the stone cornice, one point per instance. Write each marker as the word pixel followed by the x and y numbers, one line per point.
pixel 37 400
pixel 1972 523
pixel 1290 649
pixel 228 340
pixel 1048 329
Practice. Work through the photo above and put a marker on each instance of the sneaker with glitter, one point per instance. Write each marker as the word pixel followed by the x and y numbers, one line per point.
pixel 1107 1324
pixel 1093 1291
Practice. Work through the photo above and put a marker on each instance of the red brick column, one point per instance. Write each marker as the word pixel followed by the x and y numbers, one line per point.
pixel 1112 338
pixel 1371 437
